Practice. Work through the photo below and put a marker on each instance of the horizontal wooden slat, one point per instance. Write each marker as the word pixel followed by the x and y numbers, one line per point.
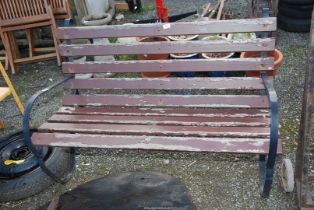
pixel 267 44
pixel 32 59
pixel 163 29
pixel 239 83
pixel 161 120
pixel 158 130
pixel 179 112
pixel 195 65
pixel 218 101
pixel 225 145
pixel 25 20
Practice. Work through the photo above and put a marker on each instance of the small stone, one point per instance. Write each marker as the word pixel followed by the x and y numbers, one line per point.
pixel 119 17
pixel 166 161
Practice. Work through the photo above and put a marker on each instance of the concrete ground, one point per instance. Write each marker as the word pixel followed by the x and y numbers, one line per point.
pixel 214 181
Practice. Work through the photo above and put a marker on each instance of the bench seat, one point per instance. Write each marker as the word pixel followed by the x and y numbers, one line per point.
pixel 181 129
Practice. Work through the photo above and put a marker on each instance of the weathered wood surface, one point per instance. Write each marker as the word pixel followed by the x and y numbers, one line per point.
pixel 176 112
pixel 160 130
pixel 161 120
pixel 218 101
pixel 169 47
pixel 199 144
pixel 194 65
pixel 239 83
pixel 166 29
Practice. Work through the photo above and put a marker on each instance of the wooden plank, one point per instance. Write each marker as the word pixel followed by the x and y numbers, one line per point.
pixel 158 130
pixel 30 25
pixel 193 144
pixel 162 120
pixel 175 112
pixel 239 83
pixel 166 29
pixel 4 92
pixel 121 6
pixel 24 20
pixel 36 58
pixel 267 44
pixel 217 101
pixel 45 50
pixel 195 65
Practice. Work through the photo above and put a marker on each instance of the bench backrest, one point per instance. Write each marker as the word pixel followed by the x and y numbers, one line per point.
pixel 182 65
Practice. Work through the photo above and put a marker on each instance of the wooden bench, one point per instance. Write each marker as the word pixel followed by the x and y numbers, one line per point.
pixel 245 122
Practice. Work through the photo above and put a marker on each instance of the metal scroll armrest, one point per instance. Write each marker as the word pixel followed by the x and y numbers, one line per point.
pixel 27 134
pixel 273 100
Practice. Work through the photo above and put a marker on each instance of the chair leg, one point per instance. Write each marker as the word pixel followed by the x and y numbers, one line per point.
pixel 31 43
pixel 14 46
pixel 54 34
pixel 1 125
pixel 6 62
pixel 8 50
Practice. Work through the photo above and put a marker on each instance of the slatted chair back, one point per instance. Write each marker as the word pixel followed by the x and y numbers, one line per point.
pixel 19 12
pixel 60 8
pixel 182 65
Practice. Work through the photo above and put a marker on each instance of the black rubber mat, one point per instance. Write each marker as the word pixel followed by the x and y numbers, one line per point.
pixel 129 191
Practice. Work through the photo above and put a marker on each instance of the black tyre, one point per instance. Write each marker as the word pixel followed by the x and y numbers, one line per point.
pixel 295 11
pixel 294 25
pixel 27 178
pixel 297 2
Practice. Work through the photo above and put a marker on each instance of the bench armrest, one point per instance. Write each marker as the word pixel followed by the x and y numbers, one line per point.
pixel 26 127
pixel 273 100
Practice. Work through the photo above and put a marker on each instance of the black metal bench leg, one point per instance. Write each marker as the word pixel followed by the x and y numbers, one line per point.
pixel 266 170
pixel 271 158
pixel 262 171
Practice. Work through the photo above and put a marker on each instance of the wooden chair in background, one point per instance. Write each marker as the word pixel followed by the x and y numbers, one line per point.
pixel 61 9
pixel 25 15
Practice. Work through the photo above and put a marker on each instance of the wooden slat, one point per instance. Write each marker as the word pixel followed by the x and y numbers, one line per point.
pixel 238 83
pixel 121 6
pixel 195 65
pixel 218 101
pixel 267 44
pixel 164 29
pixel 36 58
pixel 158 130
pixel 179 112
pixel 162 120
pixel 24 20
pixel 226 145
